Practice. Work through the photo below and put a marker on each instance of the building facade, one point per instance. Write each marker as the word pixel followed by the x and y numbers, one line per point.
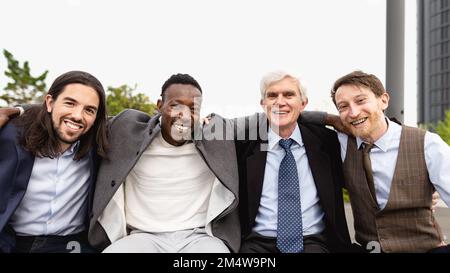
pixel 434 60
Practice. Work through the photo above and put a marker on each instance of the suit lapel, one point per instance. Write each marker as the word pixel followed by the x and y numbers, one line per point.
pixel 256 165
pixel 213 154
pixel 123 161
pixel 219 155
pixel 319 162
pixel 148 135
pixel 150 132
pixel 25 162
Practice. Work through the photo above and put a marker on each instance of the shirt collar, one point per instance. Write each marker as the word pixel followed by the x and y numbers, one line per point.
pixel 274 138
pixel 384 142
pixel 73 148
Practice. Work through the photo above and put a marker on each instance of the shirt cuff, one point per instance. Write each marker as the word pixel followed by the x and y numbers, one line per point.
pixel 20 109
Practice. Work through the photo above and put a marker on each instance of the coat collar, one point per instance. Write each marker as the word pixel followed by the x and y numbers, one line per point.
pixel 318 159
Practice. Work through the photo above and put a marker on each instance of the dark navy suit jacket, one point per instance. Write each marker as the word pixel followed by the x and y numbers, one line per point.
pixel 16 165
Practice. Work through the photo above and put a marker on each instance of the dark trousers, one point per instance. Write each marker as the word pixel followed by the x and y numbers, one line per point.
pixel 257 243
pixel 76 243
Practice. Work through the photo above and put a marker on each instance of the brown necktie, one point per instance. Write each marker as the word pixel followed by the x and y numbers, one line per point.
pixel 368 169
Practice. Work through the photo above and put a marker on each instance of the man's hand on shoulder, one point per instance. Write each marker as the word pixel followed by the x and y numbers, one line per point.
pixel 206 120
pixel 7 113
pixel 335 121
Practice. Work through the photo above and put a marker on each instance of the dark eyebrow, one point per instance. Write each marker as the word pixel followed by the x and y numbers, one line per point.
pixel 75 101
pixel 361 95
pixel 183 102
pixel 92 107
pixel 70 99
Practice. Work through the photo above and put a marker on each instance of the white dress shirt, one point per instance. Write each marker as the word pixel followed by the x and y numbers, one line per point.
pixel 312 213
pixel 384 154
pixel 55 202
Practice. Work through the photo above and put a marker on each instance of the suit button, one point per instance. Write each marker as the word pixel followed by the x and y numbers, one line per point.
pixel 150 131
pixel 137 153
pixel 113 183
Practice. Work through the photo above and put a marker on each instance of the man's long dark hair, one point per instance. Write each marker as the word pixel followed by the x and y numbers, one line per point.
pixel 38 135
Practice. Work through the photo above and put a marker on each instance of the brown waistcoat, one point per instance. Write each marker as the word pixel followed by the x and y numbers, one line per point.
pixel 407 223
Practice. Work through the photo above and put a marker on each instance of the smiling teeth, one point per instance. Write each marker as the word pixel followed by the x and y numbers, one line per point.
pixel 181 127
pixel 72 125
pixel 279 112
pixel 359 121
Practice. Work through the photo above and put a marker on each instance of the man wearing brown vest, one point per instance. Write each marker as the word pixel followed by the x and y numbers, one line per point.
pixel 390 170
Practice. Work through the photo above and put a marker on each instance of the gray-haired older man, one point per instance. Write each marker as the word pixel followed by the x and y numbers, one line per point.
pixel 290 177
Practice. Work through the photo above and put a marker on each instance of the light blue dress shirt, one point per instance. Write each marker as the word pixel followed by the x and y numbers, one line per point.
pixel 384 155
pixel 312 213
pixel 56 199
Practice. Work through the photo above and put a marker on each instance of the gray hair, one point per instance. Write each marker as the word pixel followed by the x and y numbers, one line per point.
pixel 275 76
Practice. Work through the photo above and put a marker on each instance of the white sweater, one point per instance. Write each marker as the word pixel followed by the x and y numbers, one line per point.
pixel 168 189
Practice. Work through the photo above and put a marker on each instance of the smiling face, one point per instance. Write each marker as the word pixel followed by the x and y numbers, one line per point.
pixel 73 112
pixel 283 104
pixel 180 110
pixel 361 111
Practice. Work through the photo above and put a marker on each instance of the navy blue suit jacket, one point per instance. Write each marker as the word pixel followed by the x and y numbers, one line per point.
pixel 16 165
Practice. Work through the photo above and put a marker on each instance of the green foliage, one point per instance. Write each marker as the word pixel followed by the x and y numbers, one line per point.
pixel 23 88
pixel 120 98
pixel 443 128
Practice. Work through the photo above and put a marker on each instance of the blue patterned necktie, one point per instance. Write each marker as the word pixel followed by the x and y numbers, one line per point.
pixel 289 230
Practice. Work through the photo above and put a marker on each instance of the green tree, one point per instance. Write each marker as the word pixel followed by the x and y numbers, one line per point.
pixel 120 98
pixel 443 128
pixel 23 87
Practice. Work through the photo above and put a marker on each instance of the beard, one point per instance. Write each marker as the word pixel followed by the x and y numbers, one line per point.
pixel 370 128
pixel 61 135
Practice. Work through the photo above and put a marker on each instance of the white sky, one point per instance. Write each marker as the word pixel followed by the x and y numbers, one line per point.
pixel 226 45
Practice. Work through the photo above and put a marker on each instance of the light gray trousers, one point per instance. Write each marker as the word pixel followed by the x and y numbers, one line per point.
pixel 184 241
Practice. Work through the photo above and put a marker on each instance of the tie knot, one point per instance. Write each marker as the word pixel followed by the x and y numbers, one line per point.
pixel 367 147
pixel 286 144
